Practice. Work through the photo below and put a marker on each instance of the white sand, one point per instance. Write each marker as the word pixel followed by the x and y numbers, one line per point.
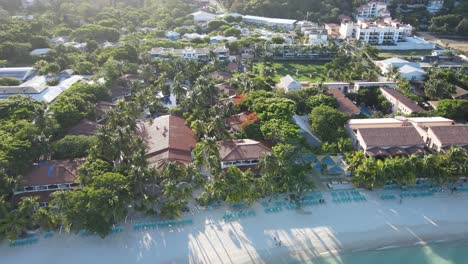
pixel 324 229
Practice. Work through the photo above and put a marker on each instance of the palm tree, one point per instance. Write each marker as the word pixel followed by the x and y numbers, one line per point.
pixel 393 73
pixel 177 87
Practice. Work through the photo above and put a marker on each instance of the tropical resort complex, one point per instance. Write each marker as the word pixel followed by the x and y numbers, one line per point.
pixel 313 131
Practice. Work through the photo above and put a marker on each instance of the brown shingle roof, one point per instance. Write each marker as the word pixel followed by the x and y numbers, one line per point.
pixel 344 104
pixel 403 100
pixel 168 138
pixel 84 127
pixel 390 137
pixel 451 135
pixel 52 172
pixel 242 149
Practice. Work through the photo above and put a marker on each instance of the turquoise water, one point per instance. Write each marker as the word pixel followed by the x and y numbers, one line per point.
pixel 438 253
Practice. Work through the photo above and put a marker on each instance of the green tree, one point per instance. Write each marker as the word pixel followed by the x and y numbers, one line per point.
pixel 327 123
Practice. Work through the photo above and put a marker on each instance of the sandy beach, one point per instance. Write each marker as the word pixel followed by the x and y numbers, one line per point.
pixel 320 230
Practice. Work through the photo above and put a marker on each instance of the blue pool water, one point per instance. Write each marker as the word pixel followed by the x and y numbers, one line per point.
pixel 437 253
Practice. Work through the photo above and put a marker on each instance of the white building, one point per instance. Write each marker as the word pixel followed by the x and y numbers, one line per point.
pixel 400 103
pixel 342 86
pixel 318 37
pixel 193 36
pixel 372 9
pixel 203 17
pixel 360 84
pixel 280 23
pixel 189 53
pixel 412 73
pixel 408 70
pixel 381 32
pixel 288 83
pixel 433 6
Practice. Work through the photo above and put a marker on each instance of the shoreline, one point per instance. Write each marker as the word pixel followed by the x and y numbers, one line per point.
pixel 330 230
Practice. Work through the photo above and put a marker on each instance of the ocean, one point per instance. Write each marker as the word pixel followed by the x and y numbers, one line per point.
pixel 435 253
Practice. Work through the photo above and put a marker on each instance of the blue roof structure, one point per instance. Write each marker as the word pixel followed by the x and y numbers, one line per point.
pixel 335 169
pixel 327 160
pixel 318 166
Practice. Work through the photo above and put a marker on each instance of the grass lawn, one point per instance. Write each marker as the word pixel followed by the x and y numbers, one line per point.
pixel 311 71
pixel 385 54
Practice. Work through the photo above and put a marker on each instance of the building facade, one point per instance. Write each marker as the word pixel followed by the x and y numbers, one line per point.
pixel 382 32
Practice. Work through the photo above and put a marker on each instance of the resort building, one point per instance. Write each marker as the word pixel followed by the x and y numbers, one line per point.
pixel 279 23
pixel 342 86
pixel 359 84
pixel 19 73
pixel 398 136
pixel 442 138
pixel 39 89
pixel 390 141
pixel 409 70
pixel 189 53
pixel 382 32
pixel 46 177
pixel 372 9
pixel 203 17
pixel 344 104
pixel 332 28
pixel 288 83
pixel 167 139
pixel 243 153
pixel 400 103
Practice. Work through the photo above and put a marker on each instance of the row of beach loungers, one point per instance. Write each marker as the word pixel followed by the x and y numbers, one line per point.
pixel 238 215
pixel 414 194
pixel 154 224
pixel 24 241
pixel 346 196
pixel 396 186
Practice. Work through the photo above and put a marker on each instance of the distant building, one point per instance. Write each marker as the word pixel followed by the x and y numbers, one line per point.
pixel 409 70
pixel 372 9
pixel 279 23
pixel 47 177
pixel 19 73
pixel 288 83
pixel 84 128
pixel 194 36
pixel 244 153
pixel 344 104
pixel 189 53
pixel 234 123
pixel 382 32
pixel 332 28
pixel 360 84
pixel 400 103
pixel 39 52
pixel 434 6
pixel 172 35
pixel 226 89
pixel 203 17
pixel 342 86
pixel 38 89
pixel 168 139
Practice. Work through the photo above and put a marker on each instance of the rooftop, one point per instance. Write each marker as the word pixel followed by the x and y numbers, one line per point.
pixel 390 137
pixel 52 172
pixel 167 138
pixel 403 100
pixel 242 149
pixel 345 105
pixel 451 135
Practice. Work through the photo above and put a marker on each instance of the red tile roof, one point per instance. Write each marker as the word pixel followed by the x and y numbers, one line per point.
pixel 242 149
pixel 168 139
pixel 344 104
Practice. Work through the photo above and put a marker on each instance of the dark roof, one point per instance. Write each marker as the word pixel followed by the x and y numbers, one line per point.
pixel 235 122
pixel 460 93
pixel 226 89
pixel 52 172
pixel 242 149
pixel 118 91
pixel 390 137
pixel 451 135
pixel 221 75
pixel 403 100
pixel 167 139
pixel 84 127
pixel 344 104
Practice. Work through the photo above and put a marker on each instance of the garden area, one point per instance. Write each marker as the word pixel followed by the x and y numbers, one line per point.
pixel 301 71
pixel 385 54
